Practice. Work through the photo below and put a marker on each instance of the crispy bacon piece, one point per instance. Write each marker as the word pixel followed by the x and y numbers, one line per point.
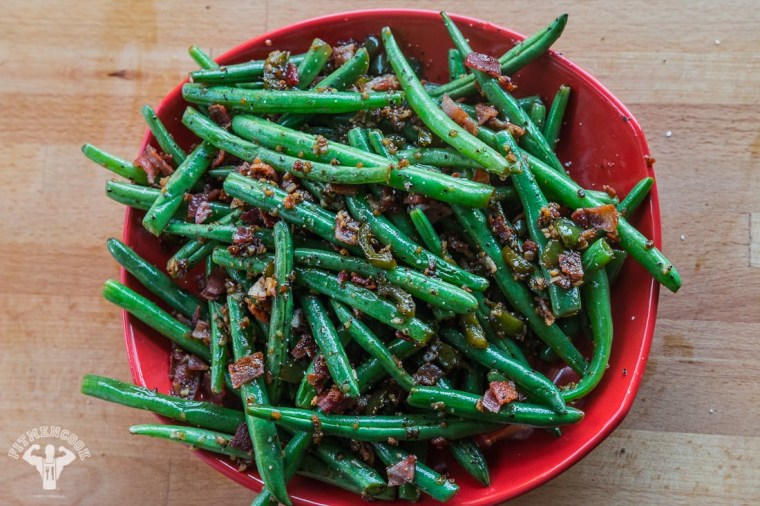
pixel 570 265
pixel 343 277
pixel 428 374
pixel 483 63
pixel 219 115
pixel 194 201
pixel 603 218
pixel 219 159
pixel 544 310
pixel 346 228
pixel 364 450
pixel 305 347
pixel 246 369
pixel 341 189
pixel 506 83
pixel 530 250
pixel 321 374
pixel 504 233
pixel 195 363
pixel 387 82
pixel 320 145
pixel 485 113
pixel 184 380
pixel 548 214
pixel 402 472
pixel 291 74
pixel 292 200
pixel 457 114
pixel 242 438
pixel 367 283
pixel 203 212
pixel 153 163
pixel 334 401
pixel 503 392
pixel 215 284
pixel 258 217
pixel 343 53
pixel 259 170
pixel 388 202
pixel 206 394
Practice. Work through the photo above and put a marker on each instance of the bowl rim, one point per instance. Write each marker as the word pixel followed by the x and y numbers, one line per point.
pixel 489 496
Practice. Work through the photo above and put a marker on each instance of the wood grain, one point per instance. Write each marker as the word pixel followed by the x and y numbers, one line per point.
pixel 74 72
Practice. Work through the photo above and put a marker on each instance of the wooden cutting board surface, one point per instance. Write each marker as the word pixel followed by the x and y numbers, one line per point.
pixel 75 72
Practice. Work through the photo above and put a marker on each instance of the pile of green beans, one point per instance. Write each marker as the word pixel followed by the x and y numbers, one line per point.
pixel 378 275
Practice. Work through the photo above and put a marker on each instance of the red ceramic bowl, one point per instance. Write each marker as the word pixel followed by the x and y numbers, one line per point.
pixel 603 144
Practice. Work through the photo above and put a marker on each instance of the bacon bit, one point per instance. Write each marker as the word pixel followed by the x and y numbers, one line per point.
pixel 154 163
pixel 402 472
pixel 388 82
pixel 506 83
pixel 649 160
pixel 321 374
pixel 219 115
pixel 305 347
pixel 487 403
pixel 544 310
pixel 439 443
pixel 243 235
pixel 207 395
pixel 194 201
pixel 483 63
pixel 610 191
pixel 364 449
pixel 320 145
pixel 260 313
pixel 343 277
pixel 195 363
pixel 219 159
pixel 334 401
pixel 530 250
pixel 246 369
pixel 184 381
pixel 603 218
pixel 263 287
pixel 457 114
pixel 481 176
pixel 415 199
pixel 343 53
pixel 341 189
pixel 203 212
pixel 292 200
pixel 291 74
pixel 346 228
pixel 570 265
pixel 503 392
pixel 485 112
pixel 367 283
pixel 259 170
pixel 428 374
pixel 503 232
pixel 242 439
pixel 548 214
pixel 215 284
pixel 258 217
pixel 302 166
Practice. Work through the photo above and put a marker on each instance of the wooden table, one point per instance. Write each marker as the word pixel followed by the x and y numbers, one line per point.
pixel 72 72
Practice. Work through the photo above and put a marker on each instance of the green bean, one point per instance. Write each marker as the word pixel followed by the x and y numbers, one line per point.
pixel 218 340
pixel 155 317
pixel 366 478
pixel 323 172
pixel 518 295
pixel 299 102
pixel 203 439
pixel 201 58
pixel 233 74
pixel 371 428
pixel 537 114
pixel 294 453
pixel 464 404
pixel 412 179
pixel 616 264
pixel 358 138
pixel 456 65
pixel 282 308
pixel 365 301
pixel 556 115
pixel 407 251
pixel 531 381
pixel 507 105
pixel 438 157
pixel 256 264
pixel 511 61
pixel 469 455
pixel 170 198
pixel 153 279
pixel 142 197
pixel 162 135
pixel 266 442
pixel 426 231
pixel 635 197
pixel 198 413
pixel 317 470
pixel 372 370
pixel 378 143
pixel 429 481
pixel 434 118
pixel 596 257
pixel 326 337
pixel 370 343
pixel 573 196
pixel 565 302
pixel 213 232
pixel 116 165
pixel 316 57
pixel 596 300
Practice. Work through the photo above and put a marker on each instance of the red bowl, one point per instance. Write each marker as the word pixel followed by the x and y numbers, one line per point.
pixel 603 145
